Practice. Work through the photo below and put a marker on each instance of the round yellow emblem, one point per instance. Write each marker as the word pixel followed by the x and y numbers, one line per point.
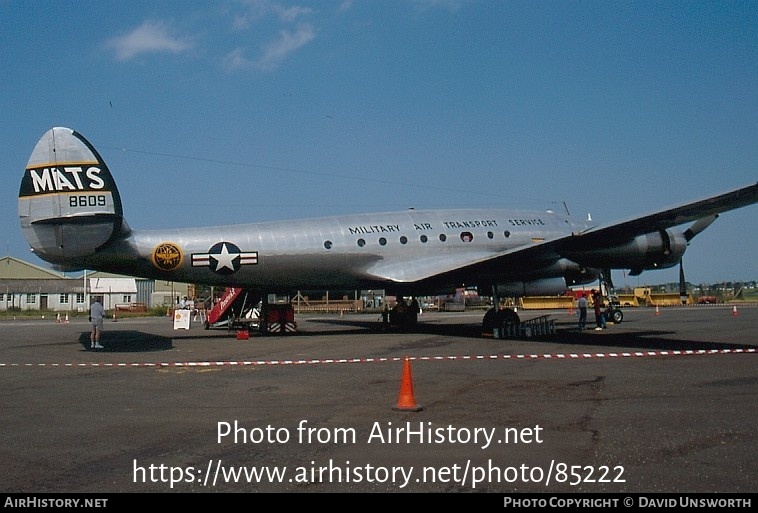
pixel 167 256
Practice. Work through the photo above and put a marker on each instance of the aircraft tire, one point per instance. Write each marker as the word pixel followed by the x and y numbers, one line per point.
pixel 489 322
pixel 509 323
pixel 616 316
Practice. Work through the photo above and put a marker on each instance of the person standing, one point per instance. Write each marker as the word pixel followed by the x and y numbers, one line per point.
pixel 96 315
pixel 385 318
pixel 582 304
pixel 413 311
pixel 597 303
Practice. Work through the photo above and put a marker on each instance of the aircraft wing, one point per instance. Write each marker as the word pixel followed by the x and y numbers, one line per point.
pixel 414 270
pixel 615 245
pixel 669 218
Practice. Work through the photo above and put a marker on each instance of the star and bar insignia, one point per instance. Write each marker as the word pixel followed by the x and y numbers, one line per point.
pixel 224 258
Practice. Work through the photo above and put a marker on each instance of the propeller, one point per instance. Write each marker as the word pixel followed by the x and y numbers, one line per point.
pixel 699 226
pixel 689 234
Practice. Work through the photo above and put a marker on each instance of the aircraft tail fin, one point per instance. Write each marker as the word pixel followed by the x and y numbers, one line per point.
pixel 68 204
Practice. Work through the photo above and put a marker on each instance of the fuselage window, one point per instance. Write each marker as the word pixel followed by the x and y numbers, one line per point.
pixel 490 235
pixel 403 240
pixel 507 234
pixel 467 236
pixel 443 237
pixel 382 241
pixel 328 244
pixel 423 238
pixel 361 242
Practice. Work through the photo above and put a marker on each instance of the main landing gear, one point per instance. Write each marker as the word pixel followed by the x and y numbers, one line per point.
pixel 501 323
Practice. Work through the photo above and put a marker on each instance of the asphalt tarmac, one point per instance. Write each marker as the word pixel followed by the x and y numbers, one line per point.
pixel 663 402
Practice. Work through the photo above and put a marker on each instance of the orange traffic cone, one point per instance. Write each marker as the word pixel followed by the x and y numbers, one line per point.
pixel 657 312
pixel 571 309
pixel 406 401
pixel 734 311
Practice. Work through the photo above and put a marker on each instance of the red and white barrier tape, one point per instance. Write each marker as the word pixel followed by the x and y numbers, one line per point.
pixel 315 361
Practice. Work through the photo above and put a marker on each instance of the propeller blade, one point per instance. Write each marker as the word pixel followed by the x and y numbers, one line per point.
pixel 699 226
pixel 682 284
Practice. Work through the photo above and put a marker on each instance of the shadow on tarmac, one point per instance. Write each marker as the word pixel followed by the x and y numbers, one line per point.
pixel 566 334
pixel 128 341
pixel 615 336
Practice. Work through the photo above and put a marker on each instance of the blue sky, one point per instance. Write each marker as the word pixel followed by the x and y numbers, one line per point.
pixel 228 112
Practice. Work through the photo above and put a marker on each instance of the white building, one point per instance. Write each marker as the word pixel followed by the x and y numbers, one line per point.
pixel 25 286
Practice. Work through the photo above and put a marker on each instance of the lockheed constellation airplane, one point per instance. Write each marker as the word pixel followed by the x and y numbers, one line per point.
pixel 71 214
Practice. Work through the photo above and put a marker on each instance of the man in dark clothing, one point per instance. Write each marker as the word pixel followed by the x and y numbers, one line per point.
pixel 597 303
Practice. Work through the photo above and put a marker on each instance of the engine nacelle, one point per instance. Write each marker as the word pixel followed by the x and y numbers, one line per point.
pixel 551 280
pixel 655 250
pixel 541 287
